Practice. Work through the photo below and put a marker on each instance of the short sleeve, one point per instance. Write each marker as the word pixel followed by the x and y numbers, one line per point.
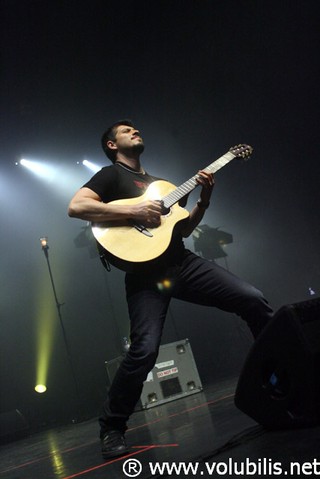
pixel 104 183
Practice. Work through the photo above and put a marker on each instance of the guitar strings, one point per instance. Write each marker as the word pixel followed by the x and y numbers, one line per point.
pixel 176 195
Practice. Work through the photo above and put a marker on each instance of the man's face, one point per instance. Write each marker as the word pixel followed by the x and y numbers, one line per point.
pixel 128 138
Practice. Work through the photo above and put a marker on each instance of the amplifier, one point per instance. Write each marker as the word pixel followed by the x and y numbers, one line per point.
pixel 174 375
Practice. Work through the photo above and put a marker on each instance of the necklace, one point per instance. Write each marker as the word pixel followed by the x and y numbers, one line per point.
pixel 140 172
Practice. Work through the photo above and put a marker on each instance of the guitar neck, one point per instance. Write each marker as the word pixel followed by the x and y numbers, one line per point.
pixel 188 186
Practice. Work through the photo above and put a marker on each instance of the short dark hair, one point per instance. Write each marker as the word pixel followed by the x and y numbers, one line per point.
pixel 110 135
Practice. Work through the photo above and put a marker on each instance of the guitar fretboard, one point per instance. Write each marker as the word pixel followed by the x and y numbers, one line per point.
pixel 186 187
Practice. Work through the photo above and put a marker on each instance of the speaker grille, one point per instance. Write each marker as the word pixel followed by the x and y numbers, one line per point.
pixel 170 387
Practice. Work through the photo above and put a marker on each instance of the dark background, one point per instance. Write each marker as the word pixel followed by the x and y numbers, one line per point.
pixel 197 77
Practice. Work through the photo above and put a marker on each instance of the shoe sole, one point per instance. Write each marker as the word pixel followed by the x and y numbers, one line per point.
pixel 121 452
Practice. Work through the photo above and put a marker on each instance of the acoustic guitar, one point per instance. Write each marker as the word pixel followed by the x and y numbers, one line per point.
pixel 127 246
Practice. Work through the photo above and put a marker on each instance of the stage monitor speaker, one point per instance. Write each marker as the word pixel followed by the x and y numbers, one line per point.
pixel 279 386
pixel 13 426
pixel 174 375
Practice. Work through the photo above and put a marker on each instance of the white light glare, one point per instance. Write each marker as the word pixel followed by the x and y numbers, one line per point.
pixel 92 166
pixel 40 388
pixel 40 169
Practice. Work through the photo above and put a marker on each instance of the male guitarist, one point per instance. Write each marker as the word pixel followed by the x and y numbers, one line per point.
pixel 177 273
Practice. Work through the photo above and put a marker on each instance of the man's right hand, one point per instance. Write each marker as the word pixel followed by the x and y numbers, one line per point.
pixel 148 213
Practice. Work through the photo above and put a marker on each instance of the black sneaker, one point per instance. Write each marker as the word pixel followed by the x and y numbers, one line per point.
pixel 113 444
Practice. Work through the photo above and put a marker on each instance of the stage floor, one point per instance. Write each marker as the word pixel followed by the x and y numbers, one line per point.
pixel 202 435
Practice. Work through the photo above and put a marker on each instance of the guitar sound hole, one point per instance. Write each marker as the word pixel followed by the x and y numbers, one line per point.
pixel 165 211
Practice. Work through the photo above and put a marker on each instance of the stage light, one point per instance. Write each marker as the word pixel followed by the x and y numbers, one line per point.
pixel 45 332
pixel 92 166
pixel 44 242
pixel 40 169
pixel 40 388
pixel 46 328
pixel 46 325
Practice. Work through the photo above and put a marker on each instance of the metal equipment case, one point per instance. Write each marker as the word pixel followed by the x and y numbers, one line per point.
pixel 174 375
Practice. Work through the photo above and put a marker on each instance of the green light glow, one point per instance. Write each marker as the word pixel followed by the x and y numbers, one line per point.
pixel 45 331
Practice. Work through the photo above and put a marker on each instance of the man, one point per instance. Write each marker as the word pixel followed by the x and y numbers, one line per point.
pixel 179 272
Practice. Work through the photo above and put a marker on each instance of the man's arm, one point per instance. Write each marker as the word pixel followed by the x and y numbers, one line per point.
pixel 206 180
pixel 87 205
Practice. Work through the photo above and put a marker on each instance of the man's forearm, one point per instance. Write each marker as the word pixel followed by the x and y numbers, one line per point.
pixel 91 210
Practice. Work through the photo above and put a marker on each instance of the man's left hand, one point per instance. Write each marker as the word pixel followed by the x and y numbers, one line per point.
pixel 206 180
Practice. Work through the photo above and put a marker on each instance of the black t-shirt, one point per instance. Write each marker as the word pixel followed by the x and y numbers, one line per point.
pixel 119 182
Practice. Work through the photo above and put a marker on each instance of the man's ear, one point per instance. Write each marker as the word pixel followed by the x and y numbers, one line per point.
pixel 112 145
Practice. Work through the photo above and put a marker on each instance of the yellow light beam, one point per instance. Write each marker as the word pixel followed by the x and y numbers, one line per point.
pixel 45 330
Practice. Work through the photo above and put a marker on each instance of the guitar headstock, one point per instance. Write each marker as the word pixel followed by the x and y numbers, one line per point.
pixel 242 151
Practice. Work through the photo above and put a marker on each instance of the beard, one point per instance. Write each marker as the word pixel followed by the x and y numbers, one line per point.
pixel 137 149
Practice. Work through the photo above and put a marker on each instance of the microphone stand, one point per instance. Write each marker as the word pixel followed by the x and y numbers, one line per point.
pixel 45 248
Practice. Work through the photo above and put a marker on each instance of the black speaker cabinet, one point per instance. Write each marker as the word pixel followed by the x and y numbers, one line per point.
pixel 279 386
pixel 174 375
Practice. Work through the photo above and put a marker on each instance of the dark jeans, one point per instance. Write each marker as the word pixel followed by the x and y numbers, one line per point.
pixel 195 280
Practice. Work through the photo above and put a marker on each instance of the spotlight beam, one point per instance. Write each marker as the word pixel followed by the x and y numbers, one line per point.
pixel 40 169
pixel 92 166
pixel 45 249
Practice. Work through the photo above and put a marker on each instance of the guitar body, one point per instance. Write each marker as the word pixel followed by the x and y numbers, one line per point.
pixel 129 246
pixel 126 247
